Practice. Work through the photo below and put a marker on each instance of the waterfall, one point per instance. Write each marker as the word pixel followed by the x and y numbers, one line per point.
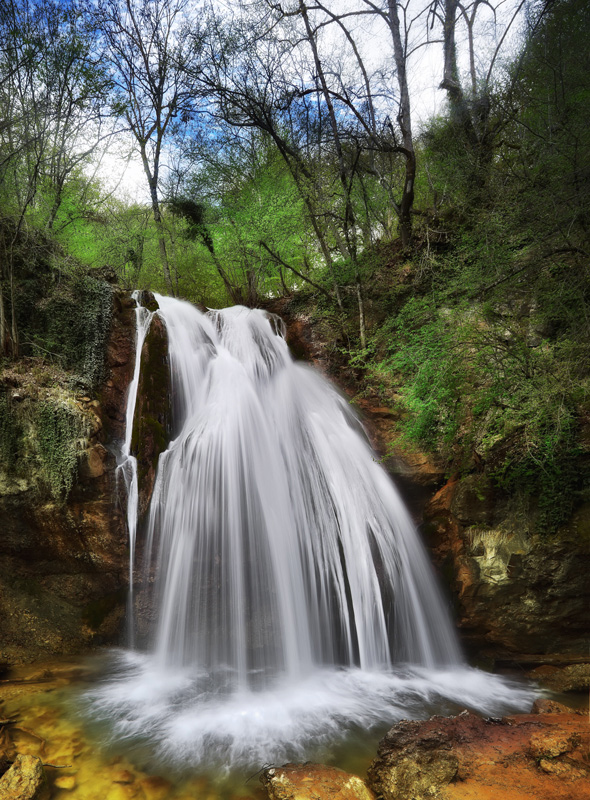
pixel 127 463
pixel 280 542
pixel 293 599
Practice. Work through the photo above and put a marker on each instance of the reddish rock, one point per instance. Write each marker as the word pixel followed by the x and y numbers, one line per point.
pixel 545 706
pixel 466 757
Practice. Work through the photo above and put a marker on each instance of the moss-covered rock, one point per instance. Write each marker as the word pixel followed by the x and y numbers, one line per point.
pixel 63 548
pixel 25 780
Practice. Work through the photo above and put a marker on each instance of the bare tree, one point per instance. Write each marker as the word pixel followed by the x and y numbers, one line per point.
pixel 148 49
pixel 469 91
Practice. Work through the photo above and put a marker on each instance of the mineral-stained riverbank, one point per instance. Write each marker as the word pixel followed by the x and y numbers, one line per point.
pixel 544 754
pixel 46 754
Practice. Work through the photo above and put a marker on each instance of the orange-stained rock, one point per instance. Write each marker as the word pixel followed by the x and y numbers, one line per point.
pixel 552 743
pixel 541 756
pixel 545 706
pixel 313 782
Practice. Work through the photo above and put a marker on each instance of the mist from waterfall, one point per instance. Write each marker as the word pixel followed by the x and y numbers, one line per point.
pixel 294 600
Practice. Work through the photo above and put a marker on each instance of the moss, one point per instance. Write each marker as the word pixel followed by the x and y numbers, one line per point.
pixel 70 325
pixel 57 429
pixel 10 435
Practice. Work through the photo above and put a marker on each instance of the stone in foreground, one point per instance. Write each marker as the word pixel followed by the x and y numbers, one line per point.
pixel 468 758
pixel 25 780
pixel 313 782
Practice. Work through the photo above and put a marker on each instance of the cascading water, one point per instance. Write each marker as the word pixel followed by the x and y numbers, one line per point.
pixel 294 598
pixel 127 466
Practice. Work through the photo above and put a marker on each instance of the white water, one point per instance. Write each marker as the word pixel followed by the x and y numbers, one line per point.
pixel 295 601
pixel 127 466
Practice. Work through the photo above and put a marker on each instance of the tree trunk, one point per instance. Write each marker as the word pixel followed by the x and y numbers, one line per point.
pixel 153 184
pixel 361 305
pixel 5 348
pixel 404 119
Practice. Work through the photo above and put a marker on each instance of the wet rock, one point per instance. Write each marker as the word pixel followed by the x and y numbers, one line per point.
pixel 519 757
pixel 546 706
pixel 92 462
pixel 571 678
pixel 147 300
pixel 514 592
pixel 119 368
pixel 63 566
pixel 313 782
pixel 67 782
pixel 155 788
pixel 25 780
pixel 152 422
pixel 123 776
pixel 7 751
pixel 414 762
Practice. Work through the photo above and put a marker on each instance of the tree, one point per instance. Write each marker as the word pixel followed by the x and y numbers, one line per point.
pixel 51 86
pixel 148 53
pixel 475 116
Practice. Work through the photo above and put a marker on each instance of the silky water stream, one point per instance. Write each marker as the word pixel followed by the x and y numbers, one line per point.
pixel 296 613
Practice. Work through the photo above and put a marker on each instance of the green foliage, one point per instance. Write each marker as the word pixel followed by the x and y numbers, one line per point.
pixel 72 324
pixel 547 470
pixel 57 429
pixel 10 435
pixel 480 380
pixel 421 351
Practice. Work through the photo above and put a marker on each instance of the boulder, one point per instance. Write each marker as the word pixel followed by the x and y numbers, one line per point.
pixel 542 755
pixel 414 761
pixel 25 780
pixel 313 782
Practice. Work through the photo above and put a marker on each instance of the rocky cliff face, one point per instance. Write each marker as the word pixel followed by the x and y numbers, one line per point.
pixel 63 565
pixel 515 592
pixel 152 425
